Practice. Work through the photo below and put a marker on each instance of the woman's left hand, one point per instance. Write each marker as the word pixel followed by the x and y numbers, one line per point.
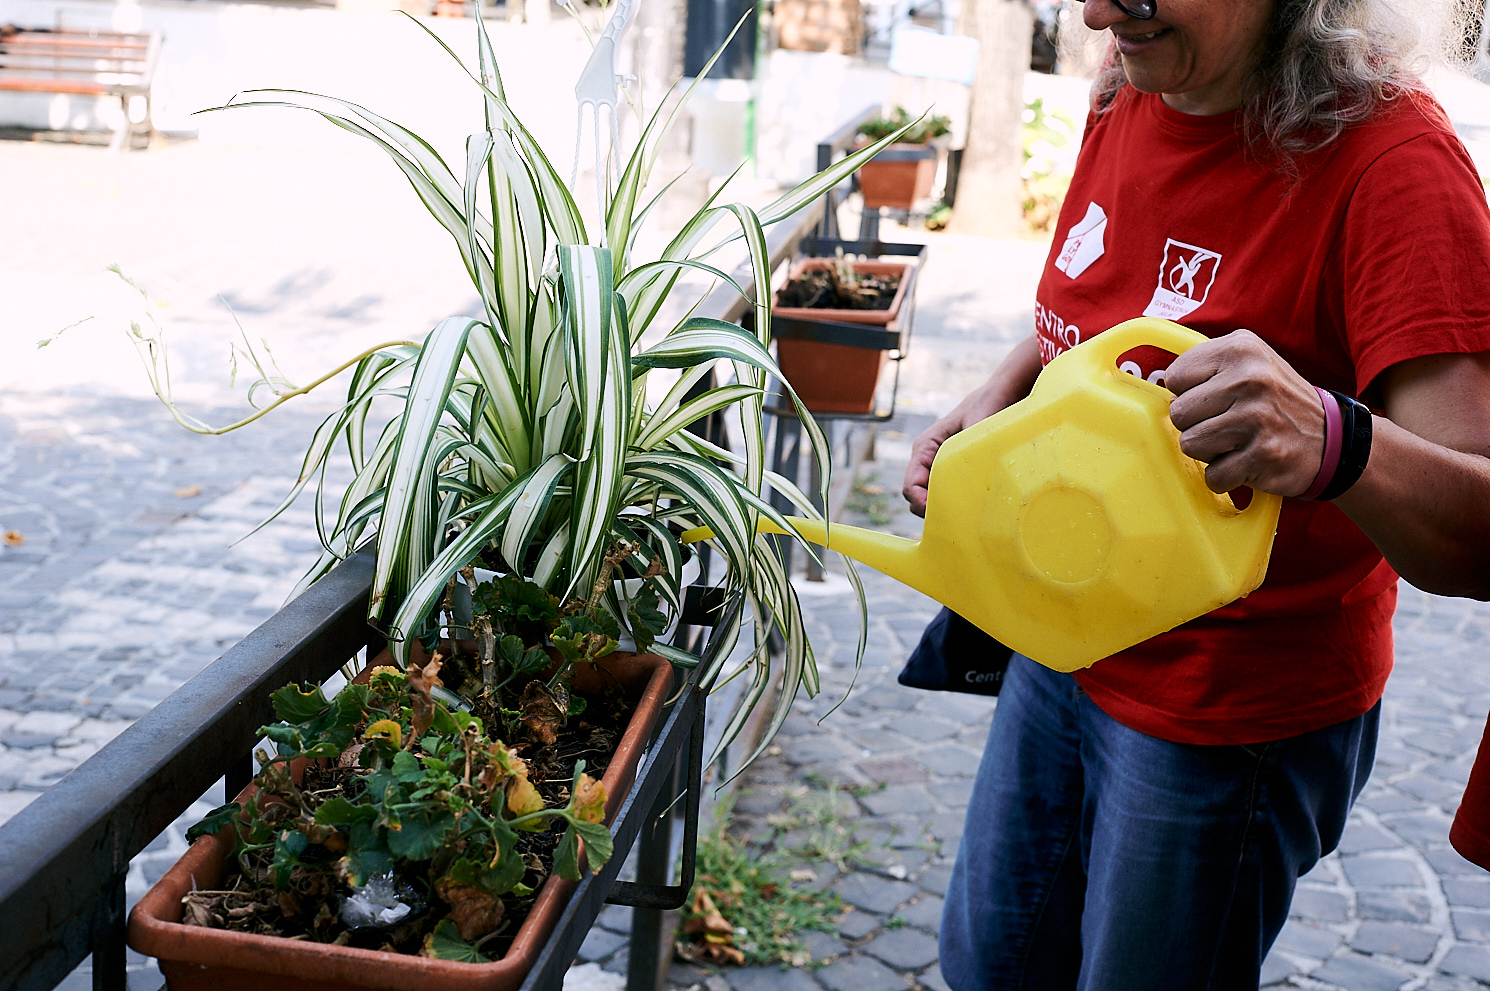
pixel 1245 412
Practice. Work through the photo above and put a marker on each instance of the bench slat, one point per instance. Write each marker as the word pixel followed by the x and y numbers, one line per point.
pixel 74 86
pixel 78 39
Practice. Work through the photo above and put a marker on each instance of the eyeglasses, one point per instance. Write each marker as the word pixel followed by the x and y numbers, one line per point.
pixel 1141 9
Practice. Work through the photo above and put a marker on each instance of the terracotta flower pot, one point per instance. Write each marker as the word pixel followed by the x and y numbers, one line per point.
pixel 900 181
pixel 837 378
pixel 194 958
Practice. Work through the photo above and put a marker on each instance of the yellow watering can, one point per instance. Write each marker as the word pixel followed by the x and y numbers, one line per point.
pixel 1070 525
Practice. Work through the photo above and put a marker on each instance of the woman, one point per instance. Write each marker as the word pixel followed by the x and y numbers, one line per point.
pixel 1270 173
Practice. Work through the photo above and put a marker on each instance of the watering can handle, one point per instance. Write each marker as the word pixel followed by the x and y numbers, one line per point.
pixel 1103 351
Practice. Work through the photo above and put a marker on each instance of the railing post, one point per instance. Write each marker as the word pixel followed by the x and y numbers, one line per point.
pixel 653 863
pixel 109 972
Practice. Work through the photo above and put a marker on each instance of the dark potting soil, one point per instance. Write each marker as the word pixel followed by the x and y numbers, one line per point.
pixel 309 907
pixel 821 289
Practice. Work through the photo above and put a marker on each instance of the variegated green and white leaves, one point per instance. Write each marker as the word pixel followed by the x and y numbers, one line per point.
pixel 524 438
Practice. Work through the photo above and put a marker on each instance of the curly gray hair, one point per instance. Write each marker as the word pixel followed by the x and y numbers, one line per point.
pixel 1328 64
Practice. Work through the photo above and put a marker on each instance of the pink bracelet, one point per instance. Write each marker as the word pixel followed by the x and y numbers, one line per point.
pixel 1333 435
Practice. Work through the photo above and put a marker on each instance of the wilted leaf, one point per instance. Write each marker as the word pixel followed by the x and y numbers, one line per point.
pixel 421 680
pixel 14 538
pixel 474 912
pixel 386 729
pixel 542 713
pixel 588 801
pixel 706 917
pixel 189 492
pixel 523 799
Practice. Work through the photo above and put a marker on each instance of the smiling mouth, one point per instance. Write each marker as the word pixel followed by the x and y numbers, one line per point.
pixel 1150 36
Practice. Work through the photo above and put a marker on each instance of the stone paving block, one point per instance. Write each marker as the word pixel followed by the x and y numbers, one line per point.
pixel 1381 872
pixel 758 800
pixel 874 894
pixel 1315 905
pixel 890 862
pixel 1471 924
pixel 1392 906
pixel 1427 788
pixel 854 925
pixel 924 913
pixel 897 799
pixel 923 729
pixel 1448 861
pixel 1421 829
pixel 1405 942
pixel 935 878
pixel 953 794
pixel 903 949
pixel 949 761
pixel 1457 771
pixel 686 975
pixel 1467 892
pixel 858 973
pixel 1468 961
pixel 616 918
pixel 956 707
pixel 1358 973
pixel 1360 837
pixel 948 825
pixel 892 697
pixel 619 963
pixel 1275 969
pixel 771 979
pixel 892 770
pixel 1306 940
pixel 823 946
pixel 932 979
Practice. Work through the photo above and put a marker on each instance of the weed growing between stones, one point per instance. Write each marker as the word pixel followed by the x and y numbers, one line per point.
pixel 743 913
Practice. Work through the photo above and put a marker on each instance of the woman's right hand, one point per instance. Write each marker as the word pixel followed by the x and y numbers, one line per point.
pixel 1010 382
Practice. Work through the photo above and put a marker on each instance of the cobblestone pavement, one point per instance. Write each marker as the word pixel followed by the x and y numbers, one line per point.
pixel 128 580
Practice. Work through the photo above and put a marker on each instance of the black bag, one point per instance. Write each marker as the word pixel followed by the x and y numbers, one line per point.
pixel 956 656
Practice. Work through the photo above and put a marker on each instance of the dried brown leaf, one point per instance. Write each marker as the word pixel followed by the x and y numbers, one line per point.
pixel 474 912
pixel 542 713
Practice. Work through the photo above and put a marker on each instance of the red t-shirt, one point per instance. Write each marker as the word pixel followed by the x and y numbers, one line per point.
pixel 1378 252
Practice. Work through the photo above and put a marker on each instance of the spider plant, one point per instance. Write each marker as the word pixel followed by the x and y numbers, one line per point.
pixel 525 438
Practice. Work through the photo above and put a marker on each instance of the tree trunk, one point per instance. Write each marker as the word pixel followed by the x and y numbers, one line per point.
pixel 988 190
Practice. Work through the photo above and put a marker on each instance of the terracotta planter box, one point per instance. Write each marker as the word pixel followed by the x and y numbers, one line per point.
pixel 898 183
pixel 194 958
pixel 838 378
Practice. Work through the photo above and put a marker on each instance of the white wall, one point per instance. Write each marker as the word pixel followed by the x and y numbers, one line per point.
pixel 805 97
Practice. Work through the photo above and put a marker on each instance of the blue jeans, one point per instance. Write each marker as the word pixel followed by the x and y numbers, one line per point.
pixel 1099 858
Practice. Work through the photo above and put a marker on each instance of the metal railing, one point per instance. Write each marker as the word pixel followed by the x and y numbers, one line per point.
pixel 63 859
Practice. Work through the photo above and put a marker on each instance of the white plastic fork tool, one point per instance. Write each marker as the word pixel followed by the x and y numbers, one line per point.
pixel 597 88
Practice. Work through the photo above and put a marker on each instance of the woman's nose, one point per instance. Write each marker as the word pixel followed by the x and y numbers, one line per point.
pixel 1100 15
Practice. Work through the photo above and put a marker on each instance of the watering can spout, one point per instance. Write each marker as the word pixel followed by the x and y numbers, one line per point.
pixel 899 558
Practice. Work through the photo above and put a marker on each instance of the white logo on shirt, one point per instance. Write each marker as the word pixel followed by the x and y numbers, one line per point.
pixel 1185 278
pixel 1084 242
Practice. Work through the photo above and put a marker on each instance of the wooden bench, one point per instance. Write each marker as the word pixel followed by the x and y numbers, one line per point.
pixel 82 63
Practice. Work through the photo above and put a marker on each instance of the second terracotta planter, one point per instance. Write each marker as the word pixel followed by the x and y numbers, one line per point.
pixel 194 958
pixel 838 378
pixel 899 181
